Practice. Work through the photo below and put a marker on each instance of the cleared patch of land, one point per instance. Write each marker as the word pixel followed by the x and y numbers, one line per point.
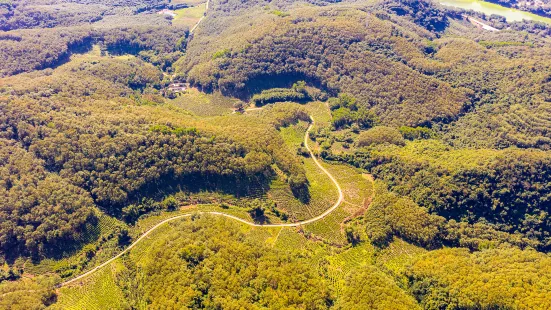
pixel 189 16
pixel 202 104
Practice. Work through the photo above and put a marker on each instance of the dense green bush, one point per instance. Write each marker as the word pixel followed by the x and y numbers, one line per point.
pixel 346 111
pixel 506 189
pixel 390 215
pixel 40 213
pixel 278 95
pixel 297 93
pixel 491 279
pixel 211 263
pixel 380 135
pixel 369 288
pixel 423 12
pixel 415 133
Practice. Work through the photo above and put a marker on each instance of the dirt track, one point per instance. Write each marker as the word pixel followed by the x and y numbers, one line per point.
pixel 314 219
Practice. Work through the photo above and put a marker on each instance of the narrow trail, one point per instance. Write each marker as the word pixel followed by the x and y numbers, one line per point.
pixel 201 19
pixel 295 224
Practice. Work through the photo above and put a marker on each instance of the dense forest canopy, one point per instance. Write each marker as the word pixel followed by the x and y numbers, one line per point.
pixel 234 271
pixel 77 125
pixel 115 120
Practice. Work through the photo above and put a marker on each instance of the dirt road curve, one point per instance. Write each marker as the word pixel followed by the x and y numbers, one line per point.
pixel 314 219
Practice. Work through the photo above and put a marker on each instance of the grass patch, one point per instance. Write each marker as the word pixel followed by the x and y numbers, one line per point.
pixel 189 16
pixel 202 104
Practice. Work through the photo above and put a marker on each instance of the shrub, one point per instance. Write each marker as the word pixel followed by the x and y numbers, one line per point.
pixel 380 135
pixel 390 215
pixel 302 151
pixel 413 133
pixel 299 187
pixel 346 112
pixel 280 13
pixel 170 203
pixel 279 95
pixel 221 53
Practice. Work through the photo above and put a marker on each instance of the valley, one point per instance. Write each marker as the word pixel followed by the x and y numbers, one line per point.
pixel 308 154
pixel 491 8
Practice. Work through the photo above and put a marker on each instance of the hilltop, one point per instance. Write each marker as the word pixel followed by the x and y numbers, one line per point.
pixel 272 154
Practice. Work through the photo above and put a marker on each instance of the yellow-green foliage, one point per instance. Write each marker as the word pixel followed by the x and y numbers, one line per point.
pixel 280 13
pixel 358 190
pixel 202 104
pixel 236 272
pixel 491 279
pixel 322 192
pixel 467 184
pixel 94 132
pixel 338 267
pixel 398 255
pixel 270 46
pixel 390 215
pixel 443 156
pixel 189 16
pixel 221 53
pixel 99 291
pixel 512 92
pixel 380 135
pixel 35 293
pixel 369 288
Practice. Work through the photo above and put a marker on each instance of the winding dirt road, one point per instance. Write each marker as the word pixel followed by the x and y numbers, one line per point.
pixel 295 224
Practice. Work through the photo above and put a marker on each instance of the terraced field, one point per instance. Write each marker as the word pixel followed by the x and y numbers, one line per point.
pixel 358 189
pixel 335 266
pixel 322 191
pixel 141 249
pixel 97 236
pixel 97 292
pixel 320 112
pixel 329 229
pixel 398 254
pixel 147 232
pixel 148 222
pixel 341 265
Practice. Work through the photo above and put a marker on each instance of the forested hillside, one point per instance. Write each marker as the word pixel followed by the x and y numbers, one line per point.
pixel 89 123
pixel 272 154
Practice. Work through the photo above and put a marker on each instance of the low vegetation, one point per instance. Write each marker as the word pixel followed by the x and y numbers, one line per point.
pixel 114 118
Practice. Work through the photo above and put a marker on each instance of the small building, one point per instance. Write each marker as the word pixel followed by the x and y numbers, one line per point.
pixel 167 12
pixel 178 87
